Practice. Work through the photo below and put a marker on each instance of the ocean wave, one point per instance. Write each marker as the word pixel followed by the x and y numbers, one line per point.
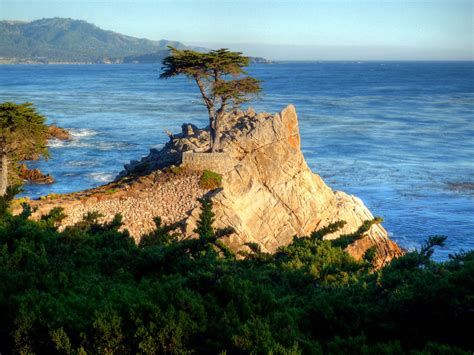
pixel 83 163
pixel 82 132
pixel 75 142
pixel 56 143
pixel 105 146
pixel 409 244
pixel 96 145
pixel 101 177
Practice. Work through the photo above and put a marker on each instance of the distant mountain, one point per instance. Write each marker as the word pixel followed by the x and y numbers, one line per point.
pixel 67 40
pixel 61 40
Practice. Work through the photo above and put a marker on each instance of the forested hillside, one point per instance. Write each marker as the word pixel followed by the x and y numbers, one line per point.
pixel 64 40
pixel 67 40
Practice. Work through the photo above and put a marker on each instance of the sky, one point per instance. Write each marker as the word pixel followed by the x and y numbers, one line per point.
pixel 282 29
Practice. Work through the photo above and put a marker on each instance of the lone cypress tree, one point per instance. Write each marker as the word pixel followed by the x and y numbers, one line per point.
pixel 221 79
pixel 23 136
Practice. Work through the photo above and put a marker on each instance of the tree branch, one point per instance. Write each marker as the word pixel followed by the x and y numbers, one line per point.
pixel 207 100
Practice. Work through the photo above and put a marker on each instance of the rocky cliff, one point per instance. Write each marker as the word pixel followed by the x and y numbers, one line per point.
pixel 268 195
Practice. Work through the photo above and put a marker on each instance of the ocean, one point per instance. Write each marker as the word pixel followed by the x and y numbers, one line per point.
pixel 399 135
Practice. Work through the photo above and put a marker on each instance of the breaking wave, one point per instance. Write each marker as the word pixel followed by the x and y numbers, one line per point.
pixel 82 132
pixel 101 177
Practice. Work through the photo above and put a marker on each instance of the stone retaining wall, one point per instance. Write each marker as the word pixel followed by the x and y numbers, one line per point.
pixel 218 162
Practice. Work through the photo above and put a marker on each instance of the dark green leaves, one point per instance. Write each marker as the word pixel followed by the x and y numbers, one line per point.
pixel 23 136
pixel 23 133
pixel 213 64
pixel 221 80
pixel 91 289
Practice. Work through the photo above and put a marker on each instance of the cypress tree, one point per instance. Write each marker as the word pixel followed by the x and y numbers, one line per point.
pixel 221 80
pixel 23 136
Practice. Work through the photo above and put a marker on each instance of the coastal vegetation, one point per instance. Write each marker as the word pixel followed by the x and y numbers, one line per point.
pixel 23 136
pixel 91 288
pixel 221 80
pixel 210 180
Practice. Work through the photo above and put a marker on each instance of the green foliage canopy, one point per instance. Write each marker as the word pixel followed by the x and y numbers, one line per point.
pixel 23 136
pixel 210 180
pixel 220 77
pixel 23 132
pixel 91 289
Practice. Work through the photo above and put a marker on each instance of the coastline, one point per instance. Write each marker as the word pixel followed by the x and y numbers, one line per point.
pixel 3 61
pixel 388 121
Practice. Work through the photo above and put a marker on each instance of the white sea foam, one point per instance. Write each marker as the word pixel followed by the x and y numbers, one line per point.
pixel 56 143
pixel 82 132
pixel 105 146
pixel 83 163
pixel 101 177
pixel 75 141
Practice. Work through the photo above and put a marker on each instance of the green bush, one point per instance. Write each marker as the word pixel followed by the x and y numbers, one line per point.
pixel 51 196
pixel 177 170
pixel 91 289
pixel 110 191
pixel 210 180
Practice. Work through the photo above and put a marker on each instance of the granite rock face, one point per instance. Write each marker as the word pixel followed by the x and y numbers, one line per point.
pixel 271 195
pixel 191 139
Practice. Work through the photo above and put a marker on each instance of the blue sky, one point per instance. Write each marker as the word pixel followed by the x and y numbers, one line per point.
pixel 304 30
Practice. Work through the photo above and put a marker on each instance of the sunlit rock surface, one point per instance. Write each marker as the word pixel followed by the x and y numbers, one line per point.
pixel 271 195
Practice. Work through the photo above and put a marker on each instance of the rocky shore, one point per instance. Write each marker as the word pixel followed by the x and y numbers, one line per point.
pixel 268 194
pixel 166 194
pixel 55 132
pixel 36 176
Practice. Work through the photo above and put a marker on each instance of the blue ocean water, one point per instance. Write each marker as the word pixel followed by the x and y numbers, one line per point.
pixel 395 134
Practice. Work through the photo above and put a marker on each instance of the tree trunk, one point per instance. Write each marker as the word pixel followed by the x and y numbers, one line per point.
pixel 210 109
pixel 216 130
pixel 3 173
pixel 212 133
pixel 216 141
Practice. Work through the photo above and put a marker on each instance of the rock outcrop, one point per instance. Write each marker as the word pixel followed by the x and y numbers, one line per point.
pixel 166 194
pixel 34 176
pixel 269 194
pixel 55 132
pixel 191 139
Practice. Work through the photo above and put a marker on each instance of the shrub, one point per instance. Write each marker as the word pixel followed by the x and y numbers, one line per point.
pixel 51 196
pixel 110 191
pixel 91 289
pixel 173 169
pixel 210 180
